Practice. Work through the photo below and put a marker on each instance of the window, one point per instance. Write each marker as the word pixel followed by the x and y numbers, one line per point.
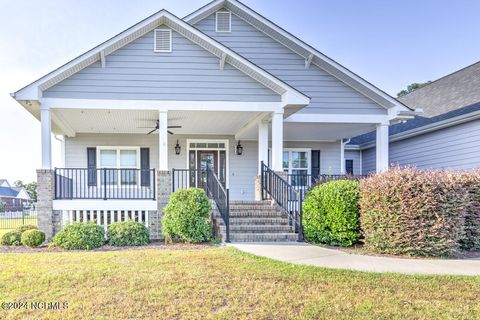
pixel 123 162
pixel 296 162
pixel 349 166
pixel 223 21
pixel 162 40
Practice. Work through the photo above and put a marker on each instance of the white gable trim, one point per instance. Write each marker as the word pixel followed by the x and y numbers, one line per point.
pixel 163 17
pixel 301 48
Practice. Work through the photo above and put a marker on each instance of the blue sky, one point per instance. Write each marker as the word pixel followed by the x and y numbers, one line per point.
pixel 389 43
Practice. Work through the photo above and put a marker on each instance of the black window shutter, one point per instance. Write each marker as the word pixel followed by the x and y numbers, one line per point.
pixel 145 166
pixel 315 165
pixel 92 166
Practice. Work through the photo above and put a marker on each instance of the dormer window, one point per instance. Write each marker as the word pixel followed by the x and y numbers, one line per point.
pixel 223 21
pixel 162 40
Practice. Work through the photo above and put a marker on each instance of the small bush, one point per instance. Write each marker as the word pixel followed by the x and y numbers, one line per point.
pixel 84 236
pixel 24 228
pixel 330 213
pixel 187 216
pixel 413 212
pixel 12 238
pixel 32 238
pixel 128 233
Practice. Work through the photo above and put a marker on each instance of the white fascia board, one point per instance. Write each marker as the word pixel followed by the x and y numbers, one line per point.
pixel 163 105
pixel 428 128
pixel 213 6
pixel 293 98
pixel 338 118
pixel 149 205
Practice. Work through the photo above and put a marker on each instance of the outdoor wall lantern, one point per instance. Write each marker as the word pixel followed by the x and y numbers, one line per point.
pixel 239 148
pixel 177 149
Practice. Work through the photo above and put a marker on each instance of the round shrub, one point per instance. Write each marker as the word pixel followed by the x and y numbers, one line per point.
pixel 84 236
pixel 24 228
pixel 32 238
pixel 127 233
pixel 330 213
pixel 12 238
pixel 413 212
pixel 187 216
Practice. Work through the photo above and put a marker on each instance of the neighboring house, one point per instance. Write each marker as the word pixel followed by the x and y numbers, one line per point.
pixel 223 86
pixel 12 196
pixel 446 136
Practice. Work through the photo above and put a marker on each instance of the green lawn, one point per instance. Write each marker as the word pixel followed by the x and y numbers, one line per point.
pixel 221 283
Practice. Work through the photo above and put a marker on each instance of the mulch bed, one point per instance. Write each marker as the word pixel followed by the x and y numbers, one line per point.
pixel 155 245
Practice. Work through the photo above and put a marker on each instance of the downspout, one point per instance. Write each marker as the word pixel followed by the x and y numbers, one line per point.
pixel 342 155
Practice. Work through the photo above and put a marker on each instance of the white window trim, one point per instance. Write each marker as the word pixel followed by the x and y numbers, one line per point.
pixel 117 166
pixel 229 20
pixel 290 150
pixel 226 149
pixel 155 40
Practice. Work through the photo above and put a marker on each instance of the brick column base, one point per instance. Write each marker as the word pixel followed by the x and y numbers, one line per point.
pixel 45 194
pixel 164 190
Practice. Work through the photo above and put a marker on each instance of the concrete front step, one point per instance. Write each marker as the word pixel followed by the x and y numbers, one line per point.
pixel 258 237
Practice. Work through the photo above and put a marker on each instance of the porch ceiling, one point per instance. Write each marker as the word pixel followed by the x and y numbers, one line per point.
pixel 138 121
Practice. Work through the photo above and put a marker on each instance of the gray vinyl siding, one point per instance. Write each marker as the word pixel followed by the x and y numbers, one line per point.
pixel 355 156
pixel 242 168
pixel 327 93
pixel 369 158
pixel 456 147
pixel 188 73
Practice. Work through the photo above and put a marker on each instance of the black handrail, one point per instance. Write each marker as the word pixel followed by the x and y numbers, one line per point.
pixel 105 183
pixel 285 195
pixel 221 195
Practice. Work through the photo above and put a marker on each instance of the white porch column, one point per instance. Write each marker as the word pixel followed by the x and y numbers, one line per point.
pixel 342 157
pixel 382 147
pixel 46 124
pixel 277 141
pixel 262 144
pixel 162 141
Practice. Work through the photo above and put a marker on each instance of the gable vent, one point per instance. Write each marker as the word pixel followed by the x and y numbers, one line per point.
pixel 162 40
pixel 224 21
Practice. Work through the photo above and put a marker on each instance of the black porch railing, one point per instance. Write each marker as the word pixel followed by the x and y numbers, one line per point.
pixel 221 195
pixel 187 178
pixel 285 195
pixel 105 183
pixel 306 181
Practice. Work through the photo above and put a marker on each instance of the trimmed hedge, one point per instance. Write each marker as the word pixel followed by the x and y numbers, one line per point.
pixel 187 216
pixel 127 233
pixel 414 212
pixel 12 238
pixel 84 236
pixel 32 238
pixel 330 213
pixel 471 239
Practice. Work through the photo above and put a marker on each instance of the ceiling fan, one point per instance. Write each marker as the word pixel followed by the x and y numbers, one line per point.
pixel 157 124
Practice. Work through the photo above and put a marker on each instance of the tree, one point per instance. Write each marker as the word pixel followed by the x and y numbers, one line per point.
pixel 412 87
pixel 31 188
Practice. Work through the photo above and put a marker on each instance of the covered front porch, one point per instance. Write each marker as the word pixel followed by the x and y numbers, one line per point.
pixel 109 155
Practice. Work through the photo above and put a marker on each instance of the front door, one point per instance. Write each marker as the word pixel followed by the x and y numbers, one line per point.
pixel 205 158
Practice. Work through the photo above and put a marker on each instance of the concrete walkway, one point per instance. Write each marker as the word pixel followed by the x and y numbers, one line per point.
pixel 302 253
